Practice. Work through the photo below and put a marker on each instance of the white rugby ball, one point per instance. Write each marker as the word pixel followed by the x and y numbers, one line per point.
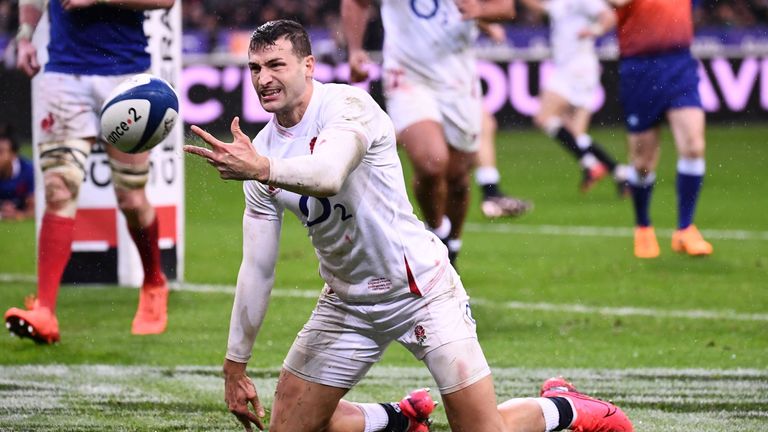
pixel 139 113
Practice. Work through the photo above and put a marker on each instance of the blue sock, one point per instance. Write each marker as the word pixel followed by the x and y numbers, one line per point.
pixel 641 188
pixel 690 174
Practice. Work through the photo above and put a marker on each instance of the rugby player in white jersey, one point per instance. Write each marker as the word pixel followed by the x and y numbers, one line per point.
pixel 433 95
pixel 329 156
pixel 566 101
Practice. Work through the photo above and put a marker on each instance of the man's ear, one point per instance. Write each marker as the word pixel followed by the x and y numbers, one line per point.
pixel 309 65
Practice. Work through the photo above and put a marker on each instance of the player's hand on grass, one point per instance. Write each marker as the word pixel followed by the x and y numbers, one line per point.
pixel 239 391
pixel 237 160
pixel 358 66
pixel 26 58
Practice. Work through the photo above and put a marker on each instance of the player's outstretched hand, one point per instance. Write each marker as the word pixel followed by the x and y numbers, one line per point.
pixel 26 58
pixel 237 160
pixel 358 66
pixel 239 391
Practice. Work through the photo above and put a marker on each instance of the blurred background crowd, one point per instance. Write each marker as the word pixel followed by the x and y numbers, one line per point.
pixel 210 23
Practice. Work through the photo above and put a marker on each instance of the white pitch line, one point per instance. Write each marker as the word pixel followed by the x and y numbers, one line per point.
pixel 695 314
pixel 594 231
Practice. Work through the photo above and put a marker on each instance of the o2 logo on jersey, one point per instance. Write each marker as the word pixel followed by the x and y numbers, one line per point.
pixel 425 9
pixel 326 210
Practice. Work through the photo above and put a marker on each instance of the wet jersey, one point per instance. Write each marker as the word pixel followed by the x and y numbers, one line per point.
pixel 430 41
pixel 568 18
pixel 370 244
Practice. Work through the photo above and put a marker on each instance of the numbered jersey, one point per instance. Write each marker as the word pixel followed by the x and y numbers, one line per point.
pixel 370 244
pixel 429 40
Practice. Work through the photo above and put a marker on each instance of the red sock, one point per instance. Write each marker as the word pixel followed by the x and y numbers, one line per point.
pixel 146 240
pixel 53 252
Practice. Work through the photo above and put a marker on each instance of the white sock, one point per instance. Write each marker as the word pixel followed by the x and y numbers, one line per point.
pixel 487 175
pixel 584 141
pixel 454 245
pixel 552 126
pixel 636 179
pixel 692 167
pixel 551 414
pixel 588 161
pixel 375 416
pixel 443 230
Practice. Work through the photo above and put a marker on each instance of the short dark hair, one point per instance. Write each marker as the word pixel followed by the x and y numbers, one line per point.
pixel 6 132
pixel 268 33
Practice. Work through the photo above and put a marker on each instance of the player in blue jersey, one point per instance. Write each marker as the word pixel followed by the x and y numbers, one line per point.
pixel 659 79
pixel 94 45
pixel 17 179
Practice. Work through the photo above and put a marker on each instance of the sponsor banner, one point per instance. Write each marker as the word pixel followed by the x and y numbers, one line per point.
pixel 732 89
pixel 103 250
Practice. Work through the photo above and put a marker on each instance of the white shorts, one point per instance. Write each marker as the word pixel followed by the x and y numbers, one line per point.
pixel 576 82
pixel 459 111
pixel 341 341
pixel 69 106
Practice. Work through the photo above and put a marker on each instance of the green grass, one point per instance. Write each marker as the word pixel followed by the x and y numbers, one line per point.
pixel 657 336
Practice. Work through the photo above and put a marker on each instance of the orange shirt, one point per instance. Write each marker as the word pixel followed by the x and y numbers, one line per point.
pixel 654 26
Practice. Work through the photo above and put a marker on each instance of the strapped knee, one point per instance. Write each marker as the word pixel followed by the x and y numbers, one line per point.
pixel 129 175
pixel 65 160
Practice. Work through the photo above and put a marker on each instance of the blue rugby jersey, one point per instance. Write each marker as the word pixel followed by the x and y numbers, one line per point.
pixel 99 40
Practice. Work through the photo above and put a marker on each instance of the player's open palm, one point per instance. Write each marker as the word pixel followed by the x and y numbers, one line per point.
pixel 237 160
pixel 239 391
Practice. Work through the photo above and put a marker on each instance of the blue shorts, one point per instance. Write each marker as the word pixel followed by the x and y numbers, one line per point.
pixel 651 85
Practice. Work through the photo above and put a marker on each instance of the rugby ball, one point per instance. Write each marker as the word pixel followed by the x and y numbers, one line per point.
pixel 139 113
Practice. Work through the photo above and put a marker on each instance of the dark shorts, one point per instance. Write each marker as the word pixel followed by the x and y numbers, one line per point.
pixel 651 85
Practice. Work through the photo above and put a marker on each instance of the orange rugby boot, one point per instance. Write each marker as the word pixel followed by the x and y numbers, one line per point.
pixel 152 314
pixel 36 322
pixel 592 176
pixel 690 241
pixel 646 245
pixel 417 407
pixel 589 414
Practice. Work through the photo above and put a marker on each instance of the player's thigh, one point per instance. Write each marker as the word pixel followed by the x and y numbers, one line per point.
pixel 337 345
pixel 687 125
pixel 425 144
pixel 473 408
pixel 462 114
pixel 301 405
pixel 66 107
pixel 552 104
pixel 644 149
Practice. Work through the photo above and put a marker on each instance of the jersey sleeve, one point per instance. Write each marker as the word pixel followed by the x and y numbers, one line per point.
pixel 593 8
pixel 258 196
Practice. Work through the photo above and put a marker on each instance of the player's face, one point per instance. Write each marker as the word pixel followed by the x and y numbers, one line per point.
pixel 281 78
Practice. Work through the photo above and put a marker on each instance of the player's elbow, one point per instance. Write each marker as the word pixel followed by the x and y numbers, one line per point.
pixel 328 188
pixel 165 4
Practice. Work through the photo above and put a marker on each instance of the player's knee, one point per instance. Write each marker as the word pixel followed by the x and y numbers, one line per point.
pixel 131 202
pixel 60 192
pixel 63 166
pixel 431 169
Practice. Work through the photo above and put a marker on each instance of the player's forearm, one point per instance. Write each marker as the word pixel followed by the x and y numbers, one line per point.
pixel 354 19
pixel 323 173
pixel 30 12
pixel 254 285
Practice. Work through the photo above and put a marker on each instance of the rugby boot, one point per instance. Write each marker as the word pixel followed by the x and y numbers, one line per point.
pixel 590 414
pixel 502 205
pixel 417 407
pixel 152 314
pixel 690 241
pixel 35 322
pixel 646 245
pixel 591 176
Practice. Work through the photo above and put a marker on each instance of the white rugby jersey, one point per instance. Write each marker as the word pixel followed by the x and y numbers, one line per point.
pixel 370 244
pixel 429 40
pixel 567 19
